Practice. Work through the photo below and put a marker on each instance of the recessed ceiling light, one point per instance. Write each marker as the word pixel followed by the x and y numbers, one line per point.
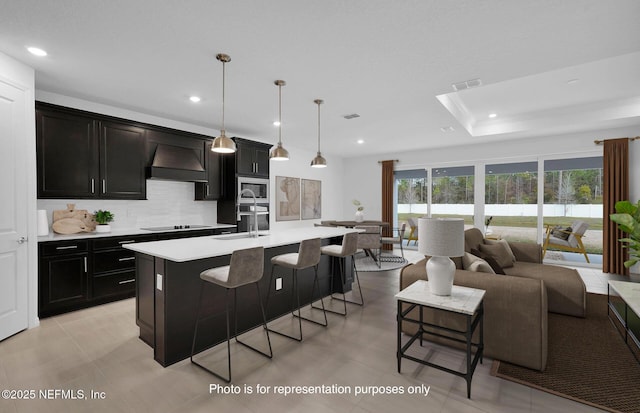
pixel 194 99
pixel 351 116
pixel 447 129
pixel 360 141
pixel 572 81
pixel 36 51
pixel 492 115
pixel 276 123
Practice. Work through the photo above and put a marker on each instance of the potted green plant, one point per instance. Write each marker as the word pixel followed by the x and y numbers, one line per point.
pixel 103 217
pixel 627 217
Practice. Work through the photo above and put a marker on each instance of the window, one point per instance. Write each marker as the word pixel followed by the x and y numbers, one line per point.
pixel 511 201
pixel 573 192
pixel 452 193
pixel 411 187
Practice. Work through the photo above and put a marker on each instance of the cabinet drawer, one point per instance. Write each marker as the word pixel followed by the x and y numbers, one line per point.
pixel 120 259
pixel 115 242
pixel 63 247
pixel 114 284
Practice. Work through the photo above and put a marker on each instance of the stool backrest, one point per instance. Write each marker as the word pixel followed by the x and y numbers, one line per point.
pixel 309 253
pixel 349 243
pixel 247 266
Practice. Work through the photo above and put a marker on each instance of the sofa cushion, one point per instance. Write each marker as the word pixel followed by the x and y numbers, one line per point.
pixel 499 252
pixel 561 232
pixel 474 263
pixel 566 291
pixel 473 237
pixel 504 244
pixel 490 260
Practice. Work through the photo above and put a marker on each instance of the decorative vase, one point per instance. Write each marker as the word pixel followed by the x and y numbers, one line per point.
pixel 359 216
pixel 103 228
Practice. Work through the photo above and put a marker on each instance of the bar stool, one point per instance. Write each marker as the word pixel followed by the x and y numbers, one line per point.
pixel 308 256
pixel 246 267
pixel 348 248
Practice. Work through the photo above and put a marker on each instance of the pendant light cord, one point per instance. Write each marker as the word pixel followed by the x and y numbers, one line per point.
pixel 318 127
pixel 223 81
pixel 279 114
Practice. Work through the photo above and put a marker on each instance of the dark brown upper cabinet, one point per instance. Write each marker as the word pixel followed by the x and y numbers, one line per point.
pixel 81 156
pixel 210 190
pixel 252 158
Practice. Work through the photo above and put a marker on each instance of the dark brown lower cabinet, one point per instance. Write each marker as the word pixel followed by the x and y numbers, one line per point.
pixel 76 274
pixel 63 278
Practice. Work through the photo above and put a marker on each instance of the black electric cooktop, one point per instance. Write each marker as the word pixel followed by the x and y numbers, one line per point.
pixel 174 227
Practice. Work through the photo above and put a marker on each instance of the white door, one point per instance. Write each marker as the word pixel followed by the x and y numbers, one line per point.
pixel 13 209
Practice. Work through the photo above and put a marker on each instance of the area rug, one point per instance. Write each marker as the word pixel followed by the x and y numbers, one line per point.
pixel 587 361
pixel 388 262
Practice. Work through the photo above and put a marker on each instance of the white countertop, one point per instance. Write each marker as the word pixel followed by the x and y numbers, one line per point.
pixel 120 232
pixel 629 292
pixel 189 249
pixel 462 299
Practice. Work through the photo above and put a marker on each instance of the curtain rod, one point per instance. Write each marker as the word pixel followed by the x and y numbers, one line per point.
pixel 598 142
pixel 394 160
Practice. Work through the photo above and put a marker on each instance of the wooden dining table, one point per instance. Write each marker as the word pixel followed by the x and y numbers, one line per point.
pixel 350 224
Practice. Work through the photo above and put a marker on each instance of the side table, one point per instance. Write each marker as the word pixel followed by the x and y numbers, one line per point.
pixel 463 300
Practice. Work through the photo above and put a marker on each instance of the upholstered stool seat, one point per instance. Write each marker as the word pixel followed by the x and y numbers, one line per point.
pixel 308 256
pixel 246 267
pixel 347 249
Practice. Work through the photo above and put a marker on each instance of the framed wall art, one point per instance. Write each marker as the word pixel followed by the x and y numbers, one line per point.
pixel 287 198
pixel 311 199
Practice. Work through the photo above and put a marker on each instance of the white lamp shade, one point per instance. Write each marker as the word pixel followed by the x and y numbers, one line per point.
pixel 441 237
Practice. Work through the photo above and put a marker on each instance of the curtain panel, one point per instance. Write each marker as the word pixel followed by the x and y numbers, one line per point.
pixel 387 199
pixel 615 188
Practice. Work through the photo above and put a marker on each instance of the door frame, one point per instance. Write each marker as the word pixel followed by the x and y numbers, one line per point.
pixel 21 76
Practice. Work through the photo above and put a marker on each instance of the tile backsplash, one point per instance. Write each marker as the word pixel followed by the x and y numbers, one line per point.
pixel 167 203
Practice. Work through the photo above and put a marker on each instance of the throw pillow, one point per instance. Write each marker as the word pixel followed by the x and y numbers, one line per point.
pixel 499 253
pixel 490 260
pixel 471 262
pixel 561 232
pixel 504 244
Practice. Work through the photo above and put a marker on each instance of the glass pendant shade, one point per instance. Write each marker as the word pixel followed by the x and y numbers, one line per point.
pixel 279 153
pixel 223 144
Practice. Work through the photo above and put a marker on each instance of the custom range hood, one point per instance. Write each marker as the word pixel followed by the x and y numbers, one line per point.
pixel 176 163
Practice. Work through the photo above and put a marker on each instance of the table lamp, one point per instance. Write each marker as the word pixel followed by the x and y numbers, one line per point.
pixel 441 238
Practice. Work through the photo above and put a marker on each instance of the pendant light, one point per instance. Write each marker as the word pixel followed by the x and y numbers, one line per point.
pixel 279 153
pixel 318 161
pixel 222 144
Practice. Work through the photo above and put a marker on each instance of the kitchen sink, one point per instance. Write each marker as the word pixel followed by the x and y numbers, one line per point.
pixel 239 236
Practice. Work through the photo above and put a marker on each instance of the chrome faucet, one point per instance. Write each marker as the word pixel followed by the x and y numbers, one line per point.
pixel 255 210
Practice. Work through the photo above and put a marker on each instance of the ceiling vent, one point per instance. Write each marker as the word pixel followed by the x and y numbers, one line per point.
pixel 467 84
pixel 351 116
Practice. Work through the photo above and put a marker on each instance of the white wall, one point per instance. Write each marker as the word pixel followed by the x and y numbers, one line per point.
pixel 171 203
pixel 299 166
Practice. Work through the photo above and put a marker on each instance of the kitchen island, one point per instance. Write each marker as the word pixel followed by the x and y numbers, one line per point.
pixel 168 286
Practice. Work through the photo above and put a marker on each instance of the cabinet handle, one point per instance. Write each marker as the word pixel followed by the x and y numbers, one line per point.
pixel 85 265
pixel 127 281
pixel 93 186
pixel 104 186
pixel 207 185
pixel 126 259
pixel 126 242
pixel 68 247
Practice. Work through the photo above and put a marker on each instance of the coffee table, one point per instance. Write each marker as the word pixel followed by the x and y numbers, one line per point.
pixel 463 300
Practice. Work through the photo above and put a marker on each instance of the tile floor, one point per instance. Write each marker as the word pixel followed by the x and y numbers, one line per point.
pixel 98 350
